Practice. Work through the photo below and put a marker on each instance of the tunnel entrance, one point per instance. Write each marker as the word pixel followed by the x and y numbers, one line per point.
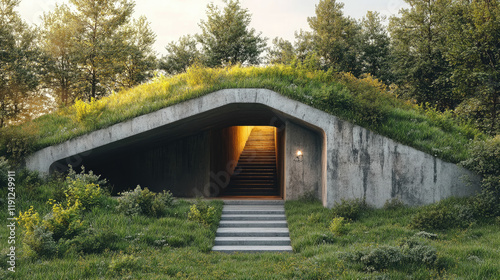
pixel 234 161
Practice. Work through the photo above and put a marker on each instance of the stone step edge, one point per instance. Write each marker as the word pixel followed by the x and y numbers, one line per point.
pixel 232 249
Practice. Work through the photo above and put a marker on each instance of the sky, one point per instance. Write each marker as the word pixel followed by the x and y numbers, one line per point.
pixel 171 19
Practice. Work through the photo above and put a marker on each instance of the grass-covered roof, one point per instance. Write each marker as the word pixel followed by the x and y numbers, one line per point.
pixel 365 101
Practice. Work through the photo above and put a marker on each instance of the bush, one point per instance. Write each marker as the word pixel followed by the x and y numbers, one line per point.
pixel 86 177
pixel 338 226
pixel 393 204
pixel 144 202
pixel 202 213
pixel 409 252
pixel 349 208
pixel 40 242
pixel 17 142
pixel 84 187
pixel 64 221
pixel 90 241
pixel 485 157
pixel 487 202
pixel 382 258
pixel 443 215
pixel 61 222
pixel 485 160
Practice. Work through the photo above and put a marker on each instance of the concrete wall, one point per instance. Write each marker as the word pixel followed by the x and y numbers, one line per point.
pixel 302 175
pixel 354 162
pixel 363 164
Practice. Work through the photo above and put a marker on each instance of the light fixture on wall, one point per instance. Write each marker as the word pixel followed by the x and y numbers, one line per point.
pixel 298 157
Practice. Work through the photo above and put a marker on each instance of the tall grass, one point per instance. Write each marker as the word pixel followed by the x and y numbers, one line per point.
pixel 366 102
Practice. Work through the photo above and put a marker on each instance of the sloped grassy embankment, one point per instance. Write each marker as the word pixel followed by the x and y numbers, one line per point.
pixel 349 241
pixel 366 102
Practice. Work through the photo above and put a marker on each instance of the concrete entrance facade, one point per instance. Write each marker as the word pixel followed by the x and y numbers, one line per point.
pixel 176 148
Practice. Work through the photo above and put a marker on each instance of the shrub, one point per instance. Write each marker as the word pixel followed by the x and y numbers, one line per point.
pixel 409 252
pixel 88 194
pixel 17 142
pixel 40 242
pixel 416 252
pixel 349 208
pixel 86 177
pixel 382 258
pixel 487 202
pixel 393 204
pixel 36 236
pixel 90 241
pixel 338 226
pixel 144 202
pixel 485 160
pixel 202 213
pixel 64 221
pixel 443 215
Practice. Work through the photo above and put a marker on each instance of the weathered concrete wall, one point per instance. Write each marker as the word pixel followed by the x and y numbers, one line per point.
pixel 363 164
pixel 302 175
pixel 355 162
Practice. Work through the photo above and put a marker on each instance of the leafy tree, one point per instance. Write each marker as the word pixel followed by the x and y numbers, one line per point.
pixel 474 51
pixel 374 47
pixel 19 63
pixel 226 37
pixel 304 44
pixel 282 52
pixel 57 42
pixel 95 48
pixel 180 55
pixel 98 41
pixel 419 46
pixel 335 37
pixel 139 58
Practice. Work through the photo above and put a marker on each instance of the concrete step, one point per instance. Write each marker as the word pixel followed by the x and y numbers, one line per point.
pixel 252 212
pixel 257 204
pixel 254 217
pixel 244 193
pixel 252 249
pixel 253 224
pixel 252 232
pixel 253 241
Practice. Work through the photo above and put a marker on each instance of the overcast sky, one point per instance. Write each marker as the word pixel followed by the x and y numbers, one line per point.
pixel 171 19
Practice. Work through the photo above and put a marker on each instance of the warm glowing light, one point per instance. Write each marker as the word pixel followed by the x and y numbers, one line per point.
pixel 299 153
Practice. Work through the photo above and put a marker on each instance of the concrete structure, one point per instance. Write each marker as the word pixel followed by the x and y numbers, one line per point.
pixel 191 148
pixel 253 226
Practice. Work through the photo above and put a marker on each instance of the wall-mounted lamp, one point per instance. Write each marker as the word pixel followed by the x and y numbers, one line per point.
pixel 298 157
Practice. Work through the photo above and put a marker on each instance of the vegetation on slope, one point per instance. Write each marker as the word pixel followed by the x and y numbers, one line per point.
pixel 365 101
pixel 372 244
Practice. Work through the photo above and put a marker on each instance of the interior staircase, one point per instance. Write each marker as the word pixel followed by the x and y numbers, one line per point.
pixel 255 173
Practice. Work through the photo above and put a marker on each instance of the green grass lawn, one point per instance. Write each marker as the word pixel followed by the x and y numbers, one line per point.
pixel 172 247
